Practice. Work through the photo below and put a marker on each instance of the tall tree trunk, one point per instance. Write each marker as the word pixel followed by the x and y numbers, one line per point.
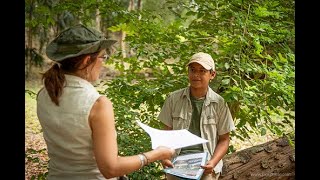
pixel 80 16
pixel 30 45
pixel 131 5
pixel 123 44
pixel 271 160
pixel 139 5
pixel 98 18
pixel 123 34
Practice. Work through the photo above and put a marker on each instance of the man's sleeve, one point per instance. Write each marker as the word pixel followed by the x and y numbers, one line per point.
pixel 165 113
pixel 225 123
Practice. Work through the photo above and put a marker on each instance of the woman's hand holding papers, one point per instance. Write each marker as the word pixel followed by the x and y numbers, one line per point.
pixel 166 163
pixel 166 160
pixel 166 152
pixel 160 153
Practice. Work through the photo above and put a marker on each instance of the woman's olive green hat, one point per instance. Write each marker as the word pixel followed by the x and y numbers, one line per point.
pixel 76 41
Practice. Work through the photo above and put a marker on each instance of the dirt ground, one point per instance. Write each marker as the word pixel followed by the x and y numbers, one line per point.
pixel 36 157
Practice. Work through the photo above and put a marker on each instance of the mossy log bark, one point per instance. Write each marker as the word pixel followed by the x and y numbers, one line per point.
pixel 269 161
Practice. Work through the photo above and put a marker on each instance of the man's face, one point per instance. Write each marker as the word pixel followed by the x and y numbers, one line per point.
pixel 199 77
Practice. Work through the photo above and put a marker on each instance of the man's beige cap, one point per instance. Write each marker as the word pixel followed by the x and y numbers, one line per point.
pixel 204 59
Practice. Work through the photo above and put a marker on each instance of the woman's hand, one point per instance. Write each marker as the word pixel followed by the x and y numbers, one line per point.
pixel 166 163
pixel 166 153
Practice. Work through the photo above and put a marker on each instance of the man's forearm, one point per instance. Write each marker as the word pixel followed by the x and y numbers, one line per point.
pixel 220 150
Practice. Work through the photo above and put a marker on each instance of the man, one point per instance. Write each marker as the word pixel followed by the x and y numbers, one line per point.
pixel 203 112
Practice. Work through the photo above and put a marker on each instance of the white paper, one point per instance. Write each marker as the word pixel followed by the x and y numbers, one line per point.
pixel 171 138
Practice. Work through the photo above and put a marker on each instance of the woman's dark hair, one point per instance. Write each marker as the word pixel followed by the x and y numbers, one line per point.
pixel 54 79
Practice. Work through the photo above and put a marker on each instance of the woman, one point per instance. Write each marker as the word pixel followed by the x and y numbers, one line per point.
pixel 78 123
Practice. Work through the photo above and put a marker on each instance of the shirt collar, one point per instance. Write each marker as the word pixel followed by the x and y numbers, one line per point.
pixel 211 96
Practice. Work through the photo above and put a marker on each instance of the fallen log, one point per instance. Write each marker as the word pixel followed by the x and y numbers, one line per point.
pixel 269 161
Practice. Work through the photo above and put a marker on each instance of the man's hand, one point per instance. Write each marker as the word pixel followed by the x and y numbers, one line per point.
pixel 208 168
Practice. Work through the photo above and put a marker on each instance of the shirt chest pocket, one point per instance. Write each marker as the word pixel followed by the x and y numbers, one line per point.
pixel 179 120
pixel 209 120
pixel 210 116
pixel 209 125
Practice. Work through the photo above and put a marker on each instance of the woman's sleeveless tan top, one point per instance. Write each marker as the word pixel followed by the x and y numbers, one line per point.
pixel 67 132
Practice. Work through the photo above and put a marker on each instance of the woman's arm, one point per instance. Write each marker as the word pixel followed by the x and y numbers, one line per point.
pixel 105 143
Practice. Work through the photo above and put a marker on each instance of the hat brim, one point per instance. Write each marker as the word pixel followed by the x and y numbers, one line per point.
pixel 207 67
pixel 53 54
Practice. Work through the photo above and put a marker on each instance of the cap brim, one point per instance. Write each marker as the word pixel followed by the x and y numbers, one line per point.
pixel 207 67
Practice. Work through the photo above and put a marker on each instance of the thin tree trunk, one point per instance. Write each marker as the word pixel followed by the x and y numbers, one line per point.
pixel 30 45
pixel 123 44
pixel 131 5
pixel 98 18
pixel 139 6
pixel 123 34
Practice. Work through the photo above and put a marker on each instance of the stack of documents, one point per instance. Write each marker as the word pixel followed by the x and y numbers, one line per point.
pixel 188 166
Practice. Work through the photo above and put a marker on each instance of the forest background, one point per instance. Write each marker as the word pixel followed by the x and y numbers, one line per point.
pixel 252 43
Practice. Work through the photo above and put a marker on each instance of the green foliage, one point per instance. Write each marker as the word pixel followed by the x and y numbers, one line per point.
pixel 30 152
pixel 36 58
pixel 41 176
pixel 30 93
pixel 253 47
pixel 231 149
pixel 252 42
